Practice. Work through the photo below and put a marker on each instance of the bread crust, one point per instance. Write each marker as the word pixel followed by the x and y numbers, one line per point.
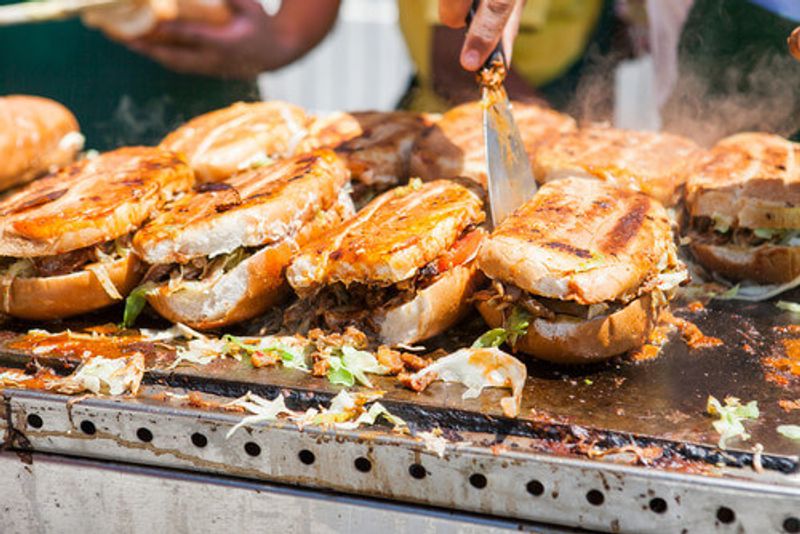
pixel 765 264
pixel 579 341
pixel 255 207
pixel 657 164
pixel 454 146
pixel 56 297
pixel 750 179
pixel 223 142
pixel 394 235
pixel 90 202
pixel 433 310
pixel 583 240
pixel 36 135
pixel 249 289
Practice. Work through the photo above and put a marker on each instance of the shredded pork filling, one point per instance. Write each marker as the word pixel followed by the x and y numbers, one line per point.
pixel 63 264
pixel 337 306
pixel 202 268
pixel 507 296
pixel 718 231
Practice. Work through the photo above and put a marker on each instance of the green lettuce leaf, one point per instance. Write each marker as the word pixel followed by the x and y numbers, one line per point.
pixel 790 431
pixel 493 338
pixel 793 307
pixel 351 365
pixel 731 415
pixel 515 326
pixel 135 303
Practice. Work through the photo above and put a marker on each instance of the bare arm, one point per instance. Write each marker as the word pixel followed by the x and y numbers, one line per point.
pixel 251 43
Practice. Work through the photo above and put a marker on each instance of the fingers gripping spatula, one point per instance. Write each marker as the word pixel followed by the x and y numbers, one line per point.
pixel 510 180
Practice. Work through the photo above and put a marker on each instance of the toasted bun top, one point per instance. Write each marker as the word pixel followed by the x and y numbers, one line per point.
pixel 238 137
pixel 249 209
pixel 394 235
pixel 454 145
pixel 581 239
pixel 90 202
pixel 376 145
pixel 752 179
pixel 656 164
pixel 32 129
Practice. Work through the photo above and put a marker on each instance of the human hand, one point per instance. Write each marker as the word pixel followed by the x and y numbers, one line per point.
pixel 251 42
pixel 494 20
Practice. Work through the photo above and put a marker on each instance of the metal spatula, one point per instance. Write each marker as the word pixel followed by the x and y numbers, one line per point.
pixel 510 179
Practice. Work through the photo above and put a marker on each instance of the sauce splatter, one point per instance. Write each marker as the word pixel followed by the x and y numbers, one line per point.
pixel 789 405
pixel 655 342
pixel 691 334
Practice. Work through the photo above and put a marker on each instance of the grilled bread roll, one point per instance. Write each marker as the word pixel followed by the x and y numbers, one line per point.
pixel 592 264
pixel 221 250
pixel 743 207
pixel 244 135
pixel 402 268
pixel 657 164
pixel 376 145
pixel 454 146
pixel 36 135
pixel 64 239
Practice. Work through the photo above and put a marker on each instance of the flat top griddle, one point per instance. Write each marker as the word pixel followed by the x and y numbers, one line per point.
pixel 622 402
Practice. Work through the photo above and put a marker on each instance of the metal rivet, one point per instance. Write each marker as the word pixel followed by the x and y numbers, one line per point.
pixel 199 440
pixel 595 497
pixel 306 456
pixel 658 505
pixel 251 448
pixel 34 421
pixel 417 471
pixel 144 435
pixel 535 488
pixel 87 427
pixel 792 525
pixel 725 515
pixel 363 465
pixel 478 481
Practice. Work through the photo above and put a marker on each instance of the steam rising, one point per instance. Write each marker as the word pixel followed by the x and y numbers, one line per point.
pixel 767 98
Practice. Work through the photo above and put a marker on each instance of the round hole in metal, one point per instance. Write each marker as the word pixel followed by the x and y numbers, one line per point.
pixel 658 505
pixel 535 488
pixel 252 448
pixel 35 421
pixel 417 471
pixel 363 464
pixel 199 440
pixel 595 497
pixel 144 435
pixel 726 515
pixel 88 428
pixel 792 525
pixel 478 480
pixel 306 456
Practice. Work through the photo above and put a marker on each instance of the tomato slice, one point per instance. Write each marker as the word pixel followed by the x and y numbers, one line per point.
pixel 462 250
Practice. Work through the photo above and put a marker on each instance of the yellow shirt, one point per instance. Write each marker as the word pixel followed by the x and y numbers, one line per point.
pixel 552 36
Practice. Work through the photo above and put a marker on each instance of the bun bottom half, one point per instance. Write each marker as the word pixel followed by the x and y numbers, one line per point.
pixel 56 297
pixel 244 292
pixel 765 264
pixel 433 310
pixel 578 341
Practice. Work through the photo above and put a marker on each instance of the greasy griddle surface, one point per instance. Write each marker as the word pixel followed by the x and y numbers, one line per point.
pixel 663 398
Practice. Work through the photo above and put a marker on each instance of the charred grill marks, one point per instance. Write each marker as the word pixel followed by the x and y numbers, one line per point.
pixel 626 228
